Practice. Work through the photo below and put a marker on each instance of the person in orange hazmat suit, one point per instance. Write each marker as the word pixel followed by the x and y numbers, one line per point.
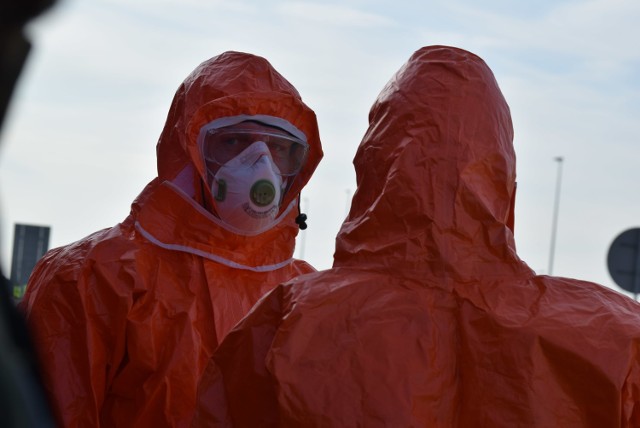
pixel 428 316
pixel 127 318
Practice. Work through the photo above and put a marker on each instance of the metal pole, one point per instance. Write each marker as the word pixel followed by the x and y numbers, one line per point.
pixel 348 204
pixel 556 207
pixel 636 270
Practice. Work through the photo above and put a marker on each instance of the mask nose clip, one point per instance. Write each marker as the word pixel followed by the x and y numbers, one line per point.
pixel 257 152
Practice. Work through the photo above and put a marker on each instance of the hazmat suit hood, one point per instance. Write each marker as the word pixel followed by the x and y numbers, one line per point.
pixel 230 84
pixel 443 186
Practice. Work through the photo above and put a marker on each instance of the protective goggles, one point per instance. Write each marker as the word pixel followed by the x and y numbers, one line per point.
pixel 223 144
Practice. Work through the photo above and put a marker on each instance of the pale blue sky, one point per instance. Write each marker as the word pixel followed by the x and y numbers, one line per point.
pixel 79 143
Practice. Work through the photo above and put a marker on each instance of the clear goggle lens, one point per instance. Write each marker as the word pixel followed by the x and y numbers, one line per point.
pixel 223 144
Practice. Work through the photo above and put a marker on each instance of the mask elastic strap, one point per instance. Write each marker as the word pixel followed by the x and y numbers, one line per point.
pixel 301 219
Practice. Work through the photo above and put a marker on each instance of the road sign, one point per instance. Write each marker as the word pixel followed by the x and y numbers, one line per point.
pixel 623 260
pixel 29 245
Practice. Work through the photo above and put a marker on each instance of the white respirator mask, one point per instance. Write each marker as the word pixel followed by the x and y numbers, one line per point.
pixel 248 189
pixel 249 162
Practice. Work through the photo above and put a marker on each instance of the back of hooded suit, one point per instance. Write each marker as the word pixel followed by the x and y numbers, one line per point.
pixel 127 318
pixel 429 317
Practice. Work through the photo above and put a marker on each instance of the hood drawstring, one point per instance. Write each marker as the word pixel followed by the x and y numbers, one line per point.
pixel 301 219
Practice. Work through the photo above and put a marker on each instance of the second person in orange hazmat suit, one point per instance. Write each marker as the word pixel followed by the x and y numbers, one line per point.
pixel 127 318
pixel 428 317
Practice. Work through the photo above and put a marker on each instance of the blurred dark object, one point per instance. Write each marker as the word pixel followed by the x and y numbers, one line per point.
pixel 18 13
pixel 22 399
pixel 14 46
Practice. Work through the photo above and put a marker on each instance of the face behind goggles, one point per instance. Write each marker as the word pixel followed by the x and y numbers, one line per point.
pixel 220 145
pixel 227 146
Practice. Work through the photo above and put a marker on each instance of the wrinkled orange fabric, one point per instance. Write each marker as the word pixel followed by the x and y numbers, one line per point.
pixel 127 318
pixel 428 317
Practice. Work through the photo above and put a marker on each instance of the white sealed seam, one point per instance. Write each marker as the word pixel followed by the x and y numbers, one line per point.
pixel 213 257
pixel 222 224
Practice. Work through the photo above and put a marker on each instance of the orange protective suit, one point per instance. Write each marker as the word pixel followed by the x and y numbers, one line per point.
pixel 127 318
pixel 428 317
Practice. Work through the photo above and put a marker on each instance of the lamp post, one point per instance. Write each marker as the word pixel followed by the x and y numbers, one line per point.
pixel 347 206
pixel 556 207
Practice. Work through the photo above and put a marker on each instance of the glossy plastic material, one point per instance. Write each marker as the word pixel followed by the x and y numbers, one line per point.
pixel 127 318
pixel 429 318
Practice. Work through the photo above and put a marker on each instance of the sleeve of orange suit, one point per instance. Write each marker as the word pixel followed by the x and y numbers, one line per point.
pixel 68 313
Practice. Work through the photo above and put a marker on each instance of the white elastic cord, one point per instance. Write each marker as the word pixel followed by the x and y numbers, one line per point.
pixel 213 257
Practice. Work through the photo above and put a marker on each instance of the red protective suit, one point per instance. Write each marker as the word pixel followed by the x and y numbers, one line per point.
pixel 428 317
pixel 127 318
